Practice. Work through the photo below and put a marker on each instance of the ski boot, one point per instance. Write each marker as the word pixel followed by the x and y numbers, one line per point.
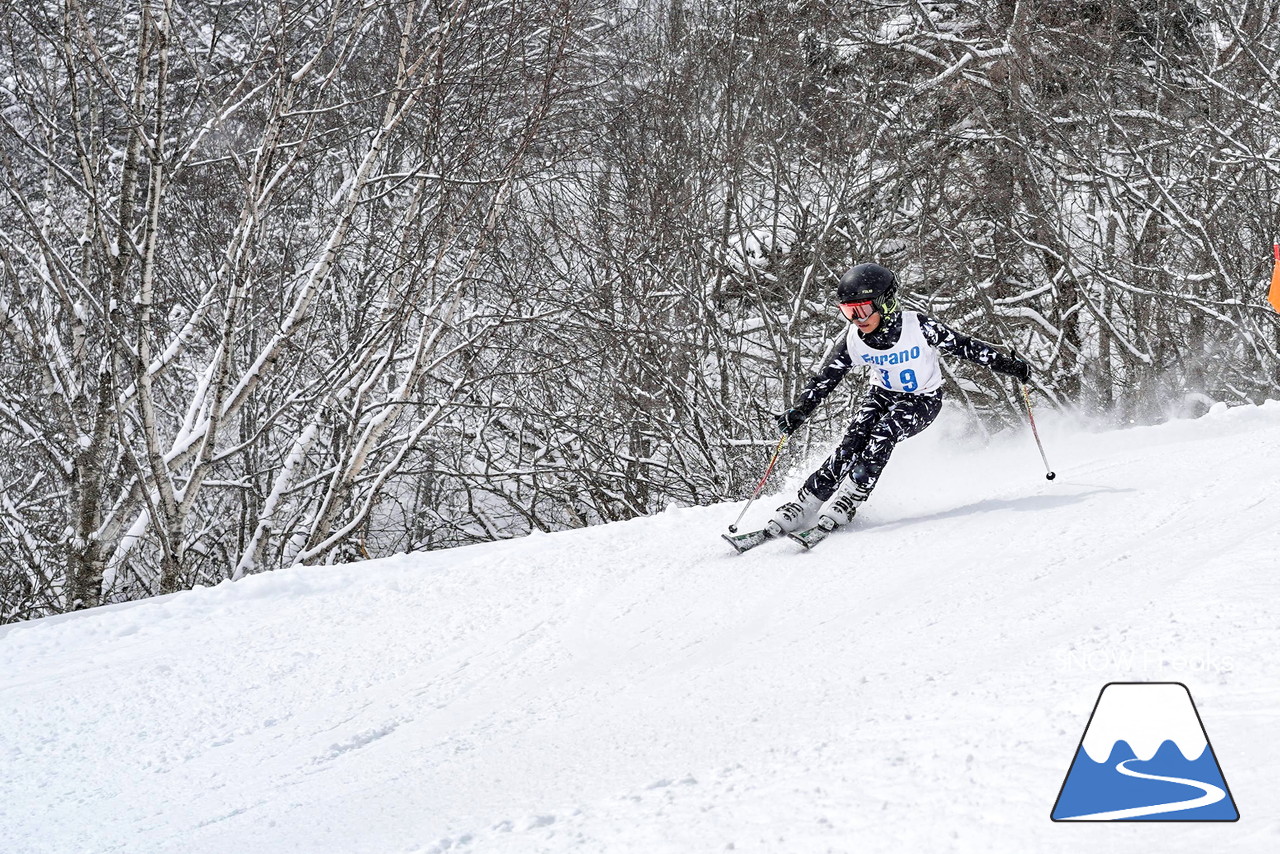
pixel 794 515
pixel 844 505
pixel 836 514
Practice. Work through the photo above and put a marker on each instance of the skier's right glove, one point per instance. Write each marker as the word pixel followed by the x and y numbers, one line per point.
pixel 790 421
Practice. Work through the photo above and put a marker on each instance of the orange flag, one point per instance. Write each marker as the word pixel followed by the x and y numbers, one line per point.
pixel 1273 295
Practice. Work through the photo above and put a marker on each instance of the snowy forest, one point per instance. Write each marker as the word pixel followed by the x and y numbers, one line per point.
pixel 306 282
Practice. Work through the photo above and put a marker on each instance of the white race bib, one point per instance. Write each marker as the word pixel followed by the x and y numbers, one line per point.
pixel 909 366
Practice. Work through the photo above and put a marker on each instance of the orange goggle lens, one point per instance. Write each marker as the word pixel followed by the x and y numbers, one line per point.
pixel 858 310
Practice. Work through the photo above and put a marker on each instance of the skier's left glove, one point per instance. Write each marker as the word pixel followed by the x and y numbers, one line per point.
pixel 1014 366
pixel 790 421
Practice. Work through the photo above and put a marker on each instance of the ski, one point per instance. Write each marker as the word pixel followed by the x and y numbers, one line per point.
pixel 747 541
pixel 810 537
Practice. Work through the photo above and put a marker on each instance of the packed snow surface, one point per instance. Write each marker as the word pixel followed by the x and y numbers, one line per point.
pixel 919 683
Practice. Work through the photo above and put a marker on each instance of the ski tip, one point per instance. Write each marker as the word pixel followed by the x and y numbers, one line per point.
pixel 810 537
pixel 745 542
pixel 805 544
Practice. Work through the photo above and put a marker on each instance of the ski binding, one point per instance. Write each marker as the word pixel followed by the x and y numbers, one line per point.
pixel 810 537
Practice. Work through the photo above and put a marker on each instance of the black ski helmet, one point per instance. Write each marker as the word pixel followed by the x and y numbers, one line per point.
pixel 870 282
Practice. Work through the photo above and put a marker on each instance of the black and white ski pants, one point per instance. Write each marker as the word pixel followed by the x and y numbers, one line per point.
pixel 883 419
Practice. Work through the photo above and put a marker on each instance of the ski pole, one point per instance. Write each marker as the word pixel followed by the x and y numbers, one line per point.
pixel 733 529
pixel 1048 472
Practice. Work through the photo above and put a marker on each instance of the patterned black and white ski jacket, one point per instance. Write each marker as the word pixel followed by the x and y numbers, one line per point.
pixel 839 360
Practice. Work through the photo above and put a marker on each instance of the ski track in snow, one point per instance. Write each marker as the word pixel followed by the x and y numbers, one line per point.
pixel 917 683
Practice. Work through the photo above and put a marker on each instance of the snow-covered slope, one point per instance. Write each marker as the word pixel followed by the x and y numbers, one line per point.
pixel 920 683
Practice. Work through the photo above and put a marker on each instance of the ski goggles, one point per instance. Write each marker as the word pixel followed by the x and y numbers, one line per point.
pixel 858 310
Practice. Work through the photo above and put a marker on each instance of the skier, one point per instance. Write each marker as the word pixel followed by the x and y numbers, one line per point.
pixel 903 397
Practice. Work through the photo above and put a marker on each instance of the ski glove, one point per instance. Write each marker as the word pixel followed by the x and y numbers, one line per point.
pixel 1014 366
pixel 790 421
